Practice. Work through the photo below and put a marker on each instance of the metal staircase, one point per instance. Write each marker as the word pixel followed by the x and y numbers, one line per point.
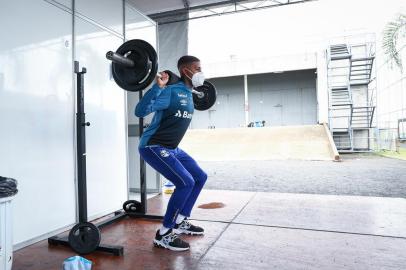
pixel 362 117
pixel 341 96
pixel 360 70
pixel 343 139
pixel 346 71
pixel 339 52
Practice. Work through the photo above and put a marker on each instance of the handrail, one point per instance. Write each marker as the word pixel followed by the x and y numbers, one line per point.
pixel 351 111
pixel 372 116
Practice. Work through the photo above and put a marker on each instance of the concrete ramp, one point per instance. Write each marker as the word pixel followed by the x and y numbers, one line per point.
pixel 311 142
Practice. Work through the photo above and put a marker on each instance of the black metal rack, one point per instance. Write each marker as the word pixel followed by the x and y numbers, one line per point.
pixel 139 212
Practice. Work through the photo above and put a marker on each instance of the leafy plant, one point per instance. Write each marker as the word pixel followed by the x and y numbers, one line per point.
pixel 391 34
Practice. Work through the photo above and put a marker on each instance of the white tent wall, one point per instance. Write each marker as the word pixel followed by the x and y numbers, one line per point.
pixel 37 105
pixel 104 105
pixel 37 115
pixel 138 27
pixel 173 43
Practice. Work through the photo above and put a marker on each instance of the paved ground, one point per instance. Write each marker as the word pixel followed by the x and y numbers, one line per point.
pixel 255 231
pixel 365 175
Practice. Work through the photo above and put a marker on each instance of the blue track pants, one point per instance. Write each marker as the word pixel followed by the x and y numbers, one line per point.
pixel 183 171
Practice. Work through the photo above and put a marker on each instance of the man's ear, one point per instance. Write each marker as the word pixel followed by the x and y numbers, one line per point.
pixel 183 70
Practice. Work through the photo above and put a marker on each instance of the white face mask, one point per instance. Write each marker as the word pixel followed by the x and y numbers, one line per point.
pixel 198 79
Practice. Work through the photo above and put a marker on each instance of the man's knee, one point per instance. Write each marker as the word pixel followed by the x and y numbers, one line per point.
pixel 201 179
pixel 189 182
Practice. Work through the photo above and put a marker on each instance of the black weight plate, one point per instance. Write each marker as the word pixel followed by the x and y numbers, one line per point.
pixel 132 75
pixel 146 65
pixel 209 98
pixel 132 206
pixel 139 71
pixel 84 238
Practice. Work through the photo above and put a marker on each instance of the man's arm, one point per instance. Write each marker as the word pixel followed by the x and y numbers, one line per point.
pixel 154 100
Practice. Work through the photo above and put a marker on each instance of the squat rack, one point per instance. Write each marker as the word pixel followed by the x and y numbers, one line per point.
pixel 86 241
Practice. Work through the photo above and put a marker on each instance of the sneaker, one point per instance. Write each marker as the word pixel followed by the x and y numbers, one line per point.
pixel 170 241
pixel 187 228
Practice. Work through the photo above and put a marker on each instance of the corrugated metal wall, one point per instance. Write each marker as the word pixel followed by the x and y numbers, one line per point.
pixel 228 111
pixel 279 99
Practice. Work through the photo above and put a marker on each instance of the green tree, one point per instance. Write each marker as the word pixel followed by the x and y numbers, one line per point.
pixel 392 33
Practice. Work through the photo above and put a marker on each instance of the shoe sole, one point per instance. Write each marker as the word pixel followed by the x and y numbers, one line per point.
pixel 178 231
pixel 160 244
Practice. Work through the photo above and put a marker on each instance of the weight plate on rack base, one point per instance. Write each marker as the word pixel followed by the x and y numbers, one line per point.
pixel 84 238
pixel 132 206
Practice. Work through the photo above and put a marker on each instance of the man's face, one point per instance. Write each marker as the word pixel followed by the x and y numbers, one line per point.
pixel 191 69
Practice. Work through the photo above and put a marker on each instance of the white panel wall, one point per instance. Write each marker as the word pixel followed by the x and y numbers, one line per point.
pixel 138 27
pixel 107 13
pixel 37 111
pixel 105 110
pixel 37 116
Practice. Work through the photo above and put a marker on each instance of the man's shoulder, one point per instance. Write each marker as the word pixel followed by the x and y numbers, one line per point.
pixel 179 86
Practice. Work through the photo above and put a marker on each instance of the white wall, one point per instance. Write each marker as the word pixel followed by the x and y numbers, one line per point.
pixel 260 64
pixel 322 86
pixel 37 115
pixel 391 98
pixel 138 27
pixel 105 110
pixel 37 111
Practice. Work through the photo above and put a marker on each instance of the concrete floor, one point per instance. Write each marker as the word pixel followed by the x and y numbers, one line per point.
pixel 257 230
pixel 364 175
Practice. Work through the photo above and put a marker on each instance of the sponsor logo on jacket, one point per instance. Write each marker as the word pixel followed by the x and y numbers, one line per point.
pixel 182 95
pixel 184 114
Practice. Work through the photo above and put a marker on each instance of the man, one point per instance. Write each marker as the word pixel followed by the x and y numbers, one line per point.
pixel 173 107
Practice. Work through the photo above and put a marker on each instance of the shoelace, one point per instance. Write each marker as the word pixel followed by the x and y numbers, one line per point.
pixel 172 237
pixel 187 224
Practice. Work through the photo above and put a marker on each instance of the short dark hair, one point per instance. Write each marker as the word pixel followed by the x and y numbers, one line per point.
pixel 186 60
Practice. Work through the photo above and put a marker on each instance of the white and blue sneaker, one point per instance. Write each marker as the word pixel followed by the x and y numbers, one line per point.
pixel 171 241
pixel 185 227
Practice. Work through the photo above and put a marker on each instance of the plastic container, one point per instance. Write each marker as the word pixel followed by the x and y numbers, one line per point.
pixel 6 241
pixel 168 187
pixel 76 263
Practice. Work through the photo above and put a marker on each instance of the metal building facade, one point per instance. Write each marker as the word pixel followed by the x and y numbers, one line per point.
pixel 279 99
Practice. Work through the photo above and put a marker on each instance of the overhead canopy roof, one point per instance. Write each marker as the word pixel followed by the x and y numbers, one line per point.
pixel 175 10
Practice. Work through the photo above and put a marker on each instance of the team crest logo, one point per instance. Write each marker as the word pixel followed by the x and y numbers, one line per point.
pixel 164 153
pixel 183 102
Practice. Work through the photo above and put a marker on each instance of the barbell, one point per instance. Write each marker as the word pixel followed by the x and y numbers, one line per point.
pixel 135 66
